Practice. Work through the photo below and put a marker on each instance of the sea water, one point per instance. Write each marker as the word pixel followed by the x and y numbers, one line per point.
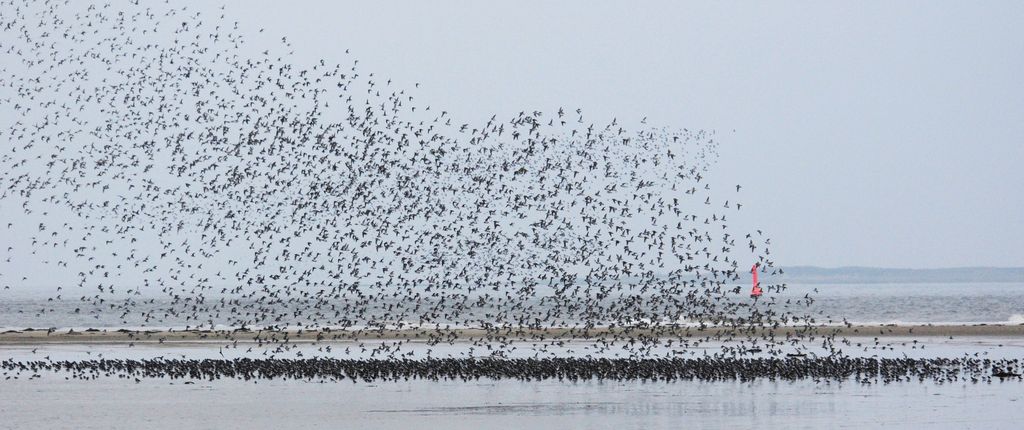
pixel 111 403
pixel 868 304
pixel 51 401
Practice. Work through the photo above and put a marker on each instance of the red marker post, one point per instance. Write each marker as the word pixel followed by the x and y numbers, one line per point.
pixel 756 291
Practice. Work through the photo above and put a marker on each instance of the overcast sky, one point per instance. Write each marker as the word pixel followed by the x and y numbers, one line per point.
pixel 866 133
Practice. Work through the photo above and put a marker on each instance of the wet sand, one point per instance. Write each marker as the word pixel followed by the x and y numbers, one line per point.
pixel 41 336
pixel 112 403
pixel 44 399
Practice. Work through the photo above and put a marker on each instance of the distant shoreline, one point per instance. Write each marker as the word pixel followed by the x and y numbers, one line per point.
pixel 878 275
pixel 123 336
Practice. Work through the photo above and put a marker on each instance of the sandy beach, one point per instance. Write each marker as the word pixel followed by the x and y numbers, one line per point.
pixel 30 336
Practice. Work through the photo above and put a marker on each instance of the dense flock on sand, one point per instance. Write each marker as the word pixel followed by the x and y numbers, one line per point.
pixel 178 172
pixel 827 369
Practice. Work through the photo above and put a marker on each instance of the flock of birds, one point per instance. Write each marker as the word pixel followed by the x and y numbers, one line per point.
pixel 864 370
pixel 185 177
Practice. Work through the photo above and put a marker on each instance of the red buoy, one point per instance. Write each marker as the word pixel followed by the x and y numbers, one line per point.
pixel 756 291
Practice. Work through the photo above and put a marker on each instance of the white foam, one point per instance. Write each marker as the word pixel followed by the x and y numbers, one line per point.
pixel 1016 319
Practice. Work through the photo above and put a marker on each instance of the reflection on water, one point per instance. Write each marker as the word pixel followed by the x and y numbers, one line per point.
pixel 110 403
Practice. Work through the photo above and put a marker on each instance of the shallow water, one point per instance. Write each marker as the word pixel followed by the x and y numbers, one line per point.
pixel 51 402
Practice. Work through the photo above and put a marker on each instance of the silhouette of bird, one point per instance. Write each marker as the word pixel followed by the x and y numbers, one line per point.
pixel 291 203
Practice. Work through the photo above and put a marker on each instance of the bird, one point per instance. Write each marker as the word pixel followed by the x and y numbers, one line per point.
pixel 293 203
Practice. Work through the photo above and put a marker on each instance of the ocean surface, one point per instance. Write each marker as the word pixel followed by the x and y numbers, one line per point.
pixel 870 304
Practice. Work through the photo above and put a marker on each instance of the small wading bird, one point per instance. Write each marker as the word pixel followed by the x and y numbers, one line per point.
pixel 190 179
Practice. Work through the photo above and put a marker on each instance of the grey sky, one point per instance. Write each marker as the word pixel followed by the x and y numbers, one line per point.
pixel 866 133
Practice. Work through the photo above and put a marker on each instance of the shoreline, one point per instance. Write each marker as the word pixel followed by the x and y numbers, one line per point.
pixel 30 336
